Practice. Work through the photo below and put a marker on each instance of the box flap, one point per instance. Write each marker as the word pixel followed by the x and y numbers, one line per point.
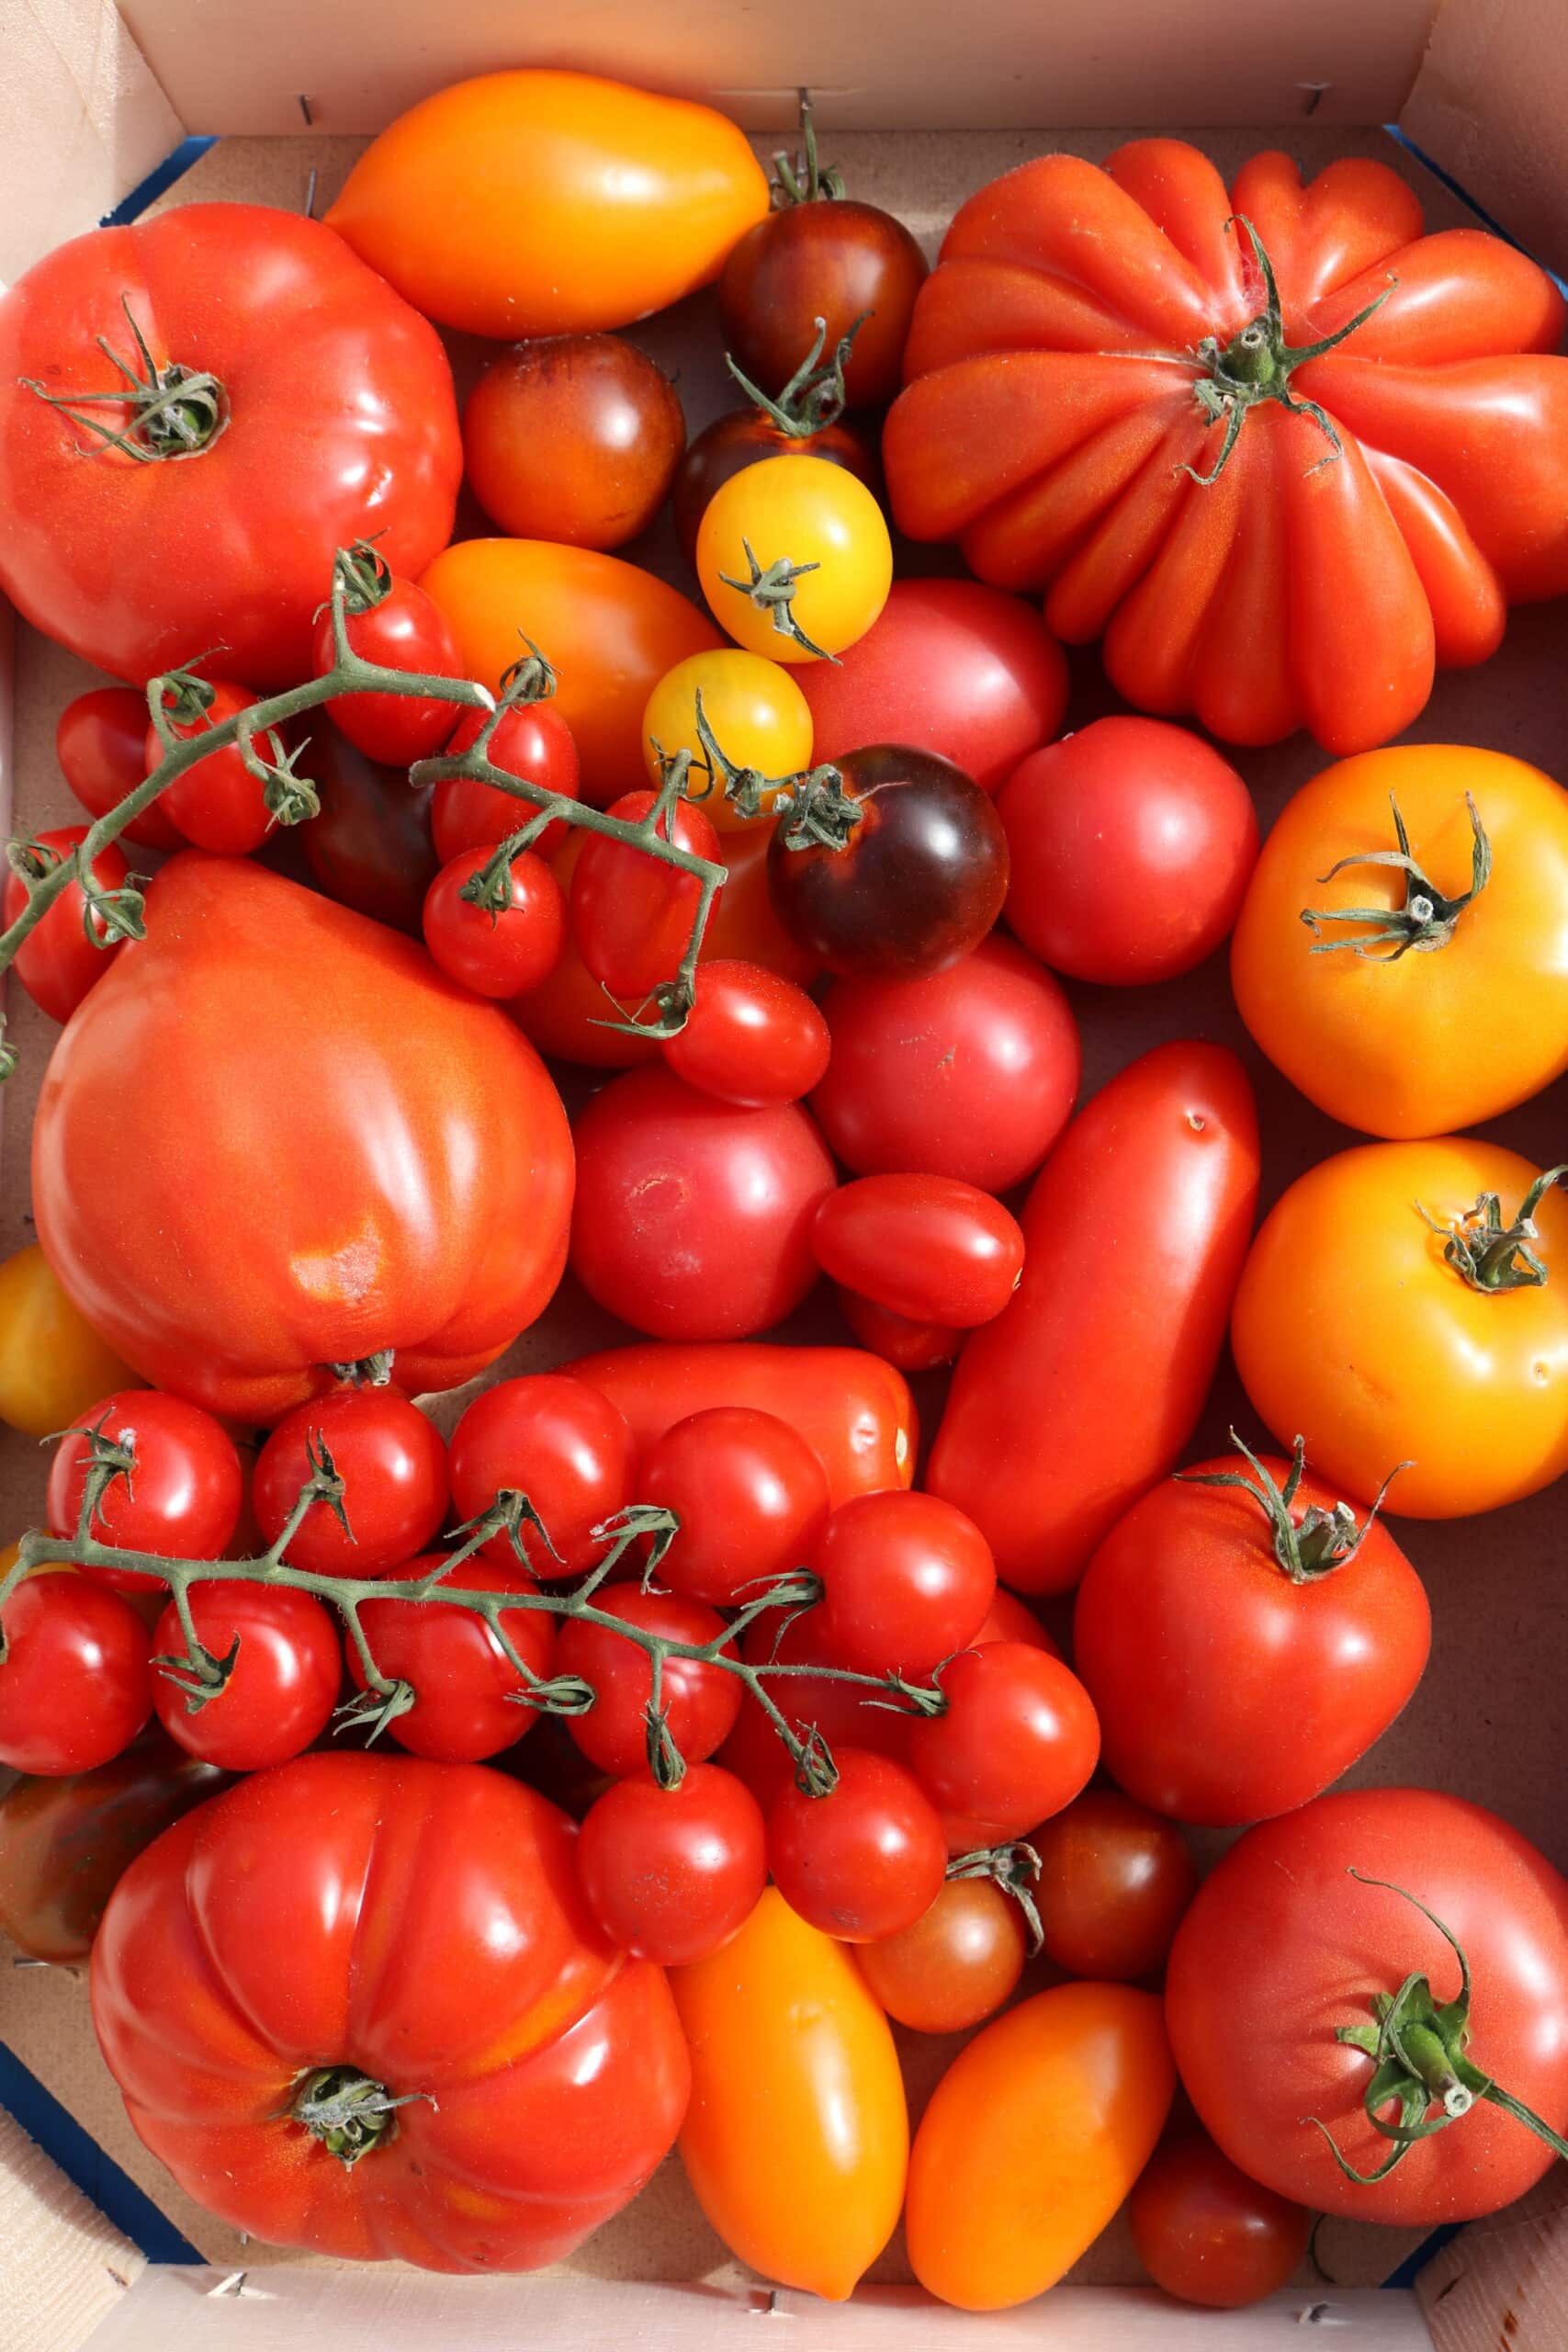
pixel 1487 107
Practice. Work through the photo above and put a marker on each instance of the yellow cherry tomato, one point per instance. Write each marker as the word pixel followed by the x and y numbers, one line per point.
pixel 1032 2139
pixel 758 715
pixel 796 2141
pixel 1356 1325
pixel 795 559
pixel 52 1363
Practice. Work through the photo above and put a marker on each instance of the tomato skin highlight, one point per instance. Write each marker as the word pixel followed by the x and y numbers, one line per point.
pixel 533 742
pixel 632 915
pixel 821 267
pixel 926 1247
pixel 403 631
pixel 285 1682
pixel 560 1440
pixel 751 1495
pixel 747 436
pixel 864 1860
pixel 393 1466
pixel 701 1699
pixel 752 1036
pixel 908 1581
pixel 75 1686
pixel 1115 1881
pixel 181 1496
pixel 572 437
pixel 502 953
pixel 100 742
pixel 957 1965
pixel 671 1874
pixel 465 1703
pixel 819 518
pixel 1018 1741
pixel 57 963
pixel 1209 2235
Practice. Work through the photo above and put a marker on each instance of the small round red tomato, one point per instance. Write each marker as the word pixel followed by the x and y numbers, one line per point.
pixel 496 951
pixel 863 1861
pixel 912 1347
pixel 393 624
pixel 1019 1739
pixel 75 1686
pixel 632 914
pixel 838 1711
pixel 370 845
pixel 929 1248
pixel 700 1699
pixel 1132 843
pixel 574 438
pixel 216 803
pixel 745 437
pixel 169 1481
pixel 751 1037
pixel 907 1582
pixel 971 1072
pixel 533 742
pixel 568 1017
pixel 562 1445
pixel 957 1965
pixel 751 1495
pixel 693 1218
pixel 1009 1619
pixel 393 1468
pixel 1114 1881
pixel 470 1700
pixel 671 1874
pixel 100 742
pixel 1207 2234
pixel 283 1682
pixel 57 963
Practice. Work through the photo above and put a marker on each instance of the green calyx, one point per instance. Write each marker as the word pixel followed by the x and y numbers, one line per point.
pixel 1015 1868
pixel 367 577
pixel 1320 1540
pixel 171 411
pixel 815 395
pixel 770 587
pixel 802 179
pixel 1490 1255
pixel 1425 921
pixel 347 2112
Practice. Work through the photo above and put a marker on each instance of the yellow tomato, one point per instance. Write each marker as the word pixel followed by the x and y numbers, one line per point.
pixel 795 557
pixel 1032 2139
pixel 796 2140
pixel 758 715
pixel 52 1363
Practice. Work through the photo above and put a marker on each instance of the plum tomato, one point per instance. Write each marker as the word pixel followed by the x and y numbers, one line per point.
pixel 469 1697
pixel 496 951
pixel 929 1248
pixel 216 803
pixel 370 847
pixel 756 713
pixel 863 1859
pixel 751 1037
pixel 57 963
pixel 910 1346
pixel 631 914
pixel 75 1686
pixel 1016 1742
pixel 572 437
pixel 562 1445
pixel 751 1498
pixel 1115 1880
pixel 958 1962
pixel 393 1468
pixel 671 1874
pixel 795 559
pixel 167 1479
pixel 906 1581
pixel 395 625
pixel 1207 2234
pixel 533 742
pixel 53 1365
pixel 700 1699
pixel 284 1671
pixel 100 742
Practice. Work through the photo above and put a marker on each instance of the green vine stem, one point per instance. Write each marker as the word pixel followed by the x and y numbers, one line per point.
pixel 1014 1868
pixel 1423 922
pixel 801 179
pixel 1491 1254
pixel 770 587
pixel 814 396
pixel 1313 1546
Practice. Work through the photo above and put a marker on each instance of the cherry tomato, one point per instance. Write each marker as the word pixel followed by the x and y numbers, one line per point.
pixel 1207 2234
pixel 744 926
pixel 282 1686
pixel 671 1874
pixel 54 1366
pixel 178 1491
pixel 469 1697
pixel 632 915
pixel 757 715
pixel 75 1686
pixel 751 1037
pixel 927 1248
pixel 913 1347
pixel 959 1961
pixel 839 1711
pixel 568 1016
pixel 217 804
pixel 560 1443
pixel 907 1582
pixel 1012 1620
pixel 532 741
pixel 502 952
pixel 751 1495
pixel 1132 843
pixel 393 1468
pixel 393 624
pixel 1018 1741
pixel 57 963
pixel 572 437
pixel 700 1699
pixel 370 846
pixel 1114 1881
pixel 811 527
pixel 100 742
pixel 864 1860
pixel 747 436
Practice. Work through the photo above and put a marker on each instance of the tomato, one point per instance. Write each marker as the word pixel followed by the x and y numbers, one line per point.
pixel 100 742
pixel 418 1165
pixel 1031 2140
pixel 747 437
pixel 1354 1322
pixel 1009 1620
pixel 75 1686
pixel 1292 1936
pixel 560 1442
pixel 567 1016
pixel 393 1468
pixel 758 715
pixel 64 1841
pixel 470 200
pixel 863 1861
pixel 692 1217
pixel 469 1696
pixel 54 1366
pixel 1131 844
pixel 671 1874
pixel 970 1072
pixel 496 952
pixel 286 1669
pixel 699 1698
pixel 631 914
pixel 1016 1742
pixel 751 1495
pixel 907 1582
pixel 574 438
pixel 789 2050
pixel 744 926
pixel 393 624
pixel 1209 2235
pixel 751 1037
pixel 370 847
pixel 958 1963
pixel 1085 1388
pixel 611 630
pixel 951 667
pixel 840 1712
pixel 370 1919
pixel 1361 513
pixel 217 804
pixel 1114 1881
pixel 533 742
pixel 1448 1001
pixel 913 1347
pixel 317 410
pixel 1244 1642
pixel 170 1482
pixel 795 557
pixel 57 963
pixel 927 1248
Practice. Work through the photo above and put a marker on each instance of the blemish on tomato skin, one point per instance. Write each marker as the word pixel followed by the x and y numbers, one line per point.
pixel 1196 1122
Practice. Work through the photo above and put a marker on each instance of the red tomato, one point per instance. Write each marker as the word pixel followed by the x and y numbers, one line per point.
pixel 671 1874
pixel 502 951
pixel 1016 1742
pixel 533 742
pixel 393 624
pixel 370 1919
pixel 951 667
pixel 1130 846
pixel 217 804
pixel 912 1347
pixel 560 1442
pixel 285 1671
pixel 418 1162
pixel 957 1965
pixel 369 848
pixel 175 1485
pixel 867 1860
pixel 57 963
pixel 838 1711
pixel 1010 1620
pixel 1292 1937
pixel 1243 1649
pixel 393 1468
pixel 1114 1883
pixel 1209 2235
pixel 75 1686
pixel 751 1037
pixel 469 1696
pixel 1084 1390
pixel 330 418
pixel 568 1016
pixel 100 742
pixel 693 1218
pixel 632 915
pixel 971 1072
pixel 751 1495
pixel 929 1248
pixel 907 1582
pixel 700 1700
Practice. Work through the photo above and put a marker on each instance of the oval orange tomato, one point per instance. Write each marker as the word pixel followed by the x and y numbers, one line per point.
pixel 52 1364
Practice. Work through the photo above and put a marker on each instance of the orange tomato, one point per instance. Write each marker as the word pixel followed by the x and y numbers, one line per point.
pixel 53 1365
pixel 796 2140
pixel 1032 2139
pixel 543 203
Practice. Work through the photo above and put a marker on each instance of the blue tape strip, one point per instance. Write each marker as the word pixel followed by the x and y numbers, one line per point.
pixel 1457 188
pixel 1414 2263
pixel 163 176
pixel 81 2160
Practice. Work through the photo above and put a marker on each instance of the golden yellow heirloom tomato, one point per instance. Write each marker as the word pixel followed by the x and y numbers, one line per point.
pixel 796 2140
pixel 1410 999
pixel 1389 1317
pixel 758 715
pixel 795 559
pixel 52 1363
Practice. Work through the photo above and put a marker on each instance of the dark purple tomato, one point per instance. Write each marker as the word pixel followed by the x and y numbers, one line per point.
pixel 370 848
pixel 742 437
pixel 832 259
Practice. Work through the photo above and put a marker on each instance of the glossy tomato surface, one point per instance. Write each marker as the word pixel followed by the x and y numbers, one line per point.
pixel 285 1669
pixel 960 1960
pixel 1209 2235
pixel 57 963
pixel 927 1248
pixel 745 437
pixel 393 1468
pixel 100 742
pixel 370 847
pixel 752 1036
pixel 750 1497
pixel 671 1874
pixel 1114 1881
pixel 170 1481
pixel 53 1365
pixel 560 1442
pixel 829 264
pixel 573 437
pixel 402 630
pixel 821 525
pixel 470 1700
pixel 75 1687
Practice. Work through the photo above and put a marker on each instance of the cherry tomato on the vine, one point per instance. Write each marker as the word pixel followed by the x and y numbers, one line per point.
pixel 177 1488
pixel 959 1961
pixel 756 713
pixel 752 1036
pixel 671 1874
pixel 907 1582
pixel 1207 2234
pixel 393 1468
pixel 470 1700
pixel 913 1347
pixel 927 1248
pixel 57 963
pixel 400 629
pixel 864 1860
pixel 75 1686
pixel 751 1495
pixel 820 562
pixel 502 952
pixel 562 1445
pixel 1114 1881
pixel 100 742
pixel 1017 1743
pixel 572 437
pixel 54 1366
pixel 837 1710
pixel 217 804
pixel 281 1690
pixel 700 1699
pixel 568 1016
pixel 533 742
pixel 631 914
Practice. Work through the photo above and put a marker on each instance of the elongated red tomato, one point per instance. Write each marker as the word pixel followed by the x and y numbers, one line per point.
pixel 1084 1390
pixel 929 1248
pixel 631 914
pixel 100 742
